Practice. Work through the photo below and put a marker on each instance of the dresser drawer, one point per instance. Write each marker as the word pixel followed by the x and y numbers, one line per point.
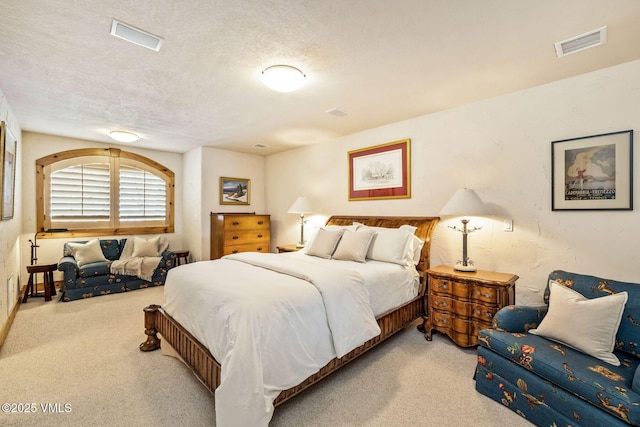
pixel 241 237
pixel 246 222
pixel 251 247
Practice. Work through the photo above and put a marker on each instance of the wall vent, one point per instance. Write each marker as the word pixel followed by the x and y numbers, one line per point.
pixel 584 41
pixel 135 35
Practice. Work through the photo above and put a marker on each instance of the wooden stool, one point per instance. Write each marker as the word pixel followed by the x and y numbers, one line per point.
pixel 49 286
pixel 181 254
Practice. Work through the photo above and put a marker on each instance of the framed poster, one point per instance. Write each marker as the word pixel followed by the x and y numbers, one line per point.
pixel 8 169
pixel 235 191
pixel 593 172
pixel 380 172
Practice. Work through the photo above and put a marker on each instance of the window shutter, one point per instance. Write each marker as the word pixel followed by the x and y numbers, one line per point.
pixel 81 192
pixel 143 195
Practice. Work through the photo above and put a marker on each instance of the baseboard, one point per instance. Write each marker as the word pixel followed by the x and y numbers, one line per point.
pixel 7 325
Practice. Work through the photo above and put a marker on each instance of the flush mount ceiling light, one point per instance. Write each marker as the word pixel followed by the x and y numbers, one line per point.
pixel 583 41
pixel 123 136
pixel 135 35
pixel 283 78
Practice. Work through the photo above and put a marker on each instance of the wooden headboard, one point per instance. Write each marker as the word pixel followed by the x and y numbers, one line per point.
pixel 425 226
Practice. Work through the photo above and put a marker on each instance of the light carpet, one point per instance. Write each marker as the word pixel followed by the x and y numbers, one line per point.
pixel 78 364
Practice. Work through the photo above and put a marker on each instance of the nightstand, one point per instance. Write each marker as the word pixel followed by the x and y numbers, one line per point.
pixel 460 303
pixel 287 248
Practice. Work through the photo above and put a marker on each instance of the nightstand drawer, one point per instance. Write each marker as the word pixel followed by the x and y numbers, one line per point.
pixel 462 290
pixel 482 312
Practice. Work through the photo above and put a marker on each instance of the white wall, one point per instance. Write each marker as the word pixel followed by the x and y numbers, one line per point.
pixel 501 148
pixel 37 145
pixel 211 164
pixel 10 229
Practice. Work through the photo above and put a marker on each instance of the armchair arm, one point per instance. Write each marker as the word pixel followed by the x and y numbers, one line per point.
pixel 519 318
pixel 168 260
pixel 69 266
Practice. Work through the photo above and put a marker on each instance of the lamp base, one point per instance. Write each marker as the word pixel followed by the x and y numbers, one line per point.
pixel 460 267
pixel 300 245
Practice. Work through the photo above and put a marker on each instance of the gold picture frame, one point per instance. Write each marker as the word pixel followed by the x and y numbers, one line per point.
pixel 8 155
pixel 235 191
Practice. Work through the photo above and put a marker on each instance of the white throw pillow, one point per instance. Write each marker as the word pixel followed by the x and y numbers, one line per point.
pixel 588 325
pixel 314 232
pixel 325 243
pixel 354 245
pixel 391 245
pixel 86 253
pixel 142 248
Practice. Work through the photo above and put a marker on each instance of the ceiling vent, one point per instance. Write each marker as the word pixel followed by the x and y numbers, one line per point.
pixel 583 41
pixel 135 35
pixel 336 112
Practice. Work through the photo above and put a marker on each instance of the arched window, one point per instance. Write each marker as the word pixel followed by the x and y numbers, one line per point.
pixel 95 191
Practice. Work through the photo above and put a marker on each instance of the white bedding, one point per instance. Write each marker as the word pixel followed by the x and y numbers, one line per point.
pixel 269 330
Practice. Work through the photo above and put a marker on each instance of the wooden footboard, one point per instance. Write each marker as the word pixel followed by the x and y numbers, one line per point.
pixel 207 369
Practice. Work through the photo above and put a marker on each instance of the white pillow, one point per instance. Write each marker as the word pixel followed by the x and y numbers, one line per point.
pixel 588 325
pixel 354 245
pixel 325 243
pixel 391 245
pixel 142 248
pixel 86 253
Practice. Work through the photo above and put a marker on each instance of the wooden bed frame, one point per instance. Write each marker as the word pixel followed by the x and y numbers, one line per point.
pixel 198 358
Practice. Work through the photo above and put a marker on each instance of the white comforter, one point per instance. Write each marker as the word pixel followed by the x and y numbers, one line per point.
pixel 271 321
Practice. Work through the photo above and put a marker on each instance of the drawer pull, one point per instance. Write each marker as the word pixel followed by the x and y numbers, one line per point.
pixel 444 286
pixel 260 222
pixel 235 237
pixel 260 236
pixel 442 321
pixel 235 251
pixel 259 249
pixel 486 295
pixel 440 304
pixel 235 223
pixel 486 314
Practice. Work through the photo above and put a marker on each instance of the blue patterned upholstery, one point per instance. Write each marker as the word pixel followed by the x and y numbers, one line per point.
pixel 550 383
pixel 95 279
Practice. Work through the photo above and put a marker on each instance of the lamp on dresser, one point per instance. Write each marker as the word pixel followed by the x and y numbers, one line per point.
pixel 465 202
pixel 300 206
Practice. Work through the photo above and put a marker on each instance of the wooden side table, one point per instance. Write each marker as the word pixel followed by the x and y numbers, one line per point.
pixel 49 285
pixel 287 248
pixel 181 254
pixel 459 303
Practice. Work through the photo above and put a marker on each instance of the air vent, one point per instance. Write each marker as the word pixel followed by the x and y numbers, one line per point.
pixel 135 35
pixel 583 41
pixel 260 146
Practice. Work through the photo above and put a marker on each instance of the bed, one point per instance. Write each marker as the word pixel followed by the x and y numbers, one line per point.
pixel 195 343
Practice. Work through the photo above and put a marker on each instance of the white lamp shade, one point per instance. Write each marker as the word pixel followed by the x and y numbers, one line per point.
pixel 283 78
pixel 464 202
pixel 300 206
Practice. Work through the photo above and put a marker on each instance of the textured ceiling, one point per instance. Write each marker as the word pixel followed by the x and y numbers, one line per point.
pixel 380 61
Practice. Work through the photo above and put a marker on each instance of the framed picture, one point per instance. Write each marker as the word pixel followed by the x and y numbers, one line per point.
pixel 235 191
pixel 8 169
pixel 380 172
pixel 593 172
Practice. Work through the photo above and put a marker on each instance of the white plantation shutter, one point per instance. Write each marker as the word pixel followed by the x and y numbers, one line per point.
pixel 143 195
pixel 81 193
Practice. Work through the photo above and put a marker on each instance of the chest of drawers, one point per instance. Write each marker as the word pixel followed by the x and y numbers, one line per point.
pixel 459 304
pixel 234 233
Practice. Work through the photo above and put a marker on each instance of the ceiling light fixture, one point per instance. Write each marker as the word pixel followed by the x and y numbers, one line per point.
pixel 123 136
pixel 283 78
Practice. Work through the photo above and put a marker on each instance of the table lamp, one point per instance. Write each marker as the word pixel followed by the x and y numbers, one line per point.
pixel 464 202
pixel 300 206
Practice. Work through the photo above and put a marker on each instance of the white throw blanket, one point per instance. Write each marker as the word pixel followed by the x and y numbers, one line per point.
pixel 142 267
pixel 271 321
